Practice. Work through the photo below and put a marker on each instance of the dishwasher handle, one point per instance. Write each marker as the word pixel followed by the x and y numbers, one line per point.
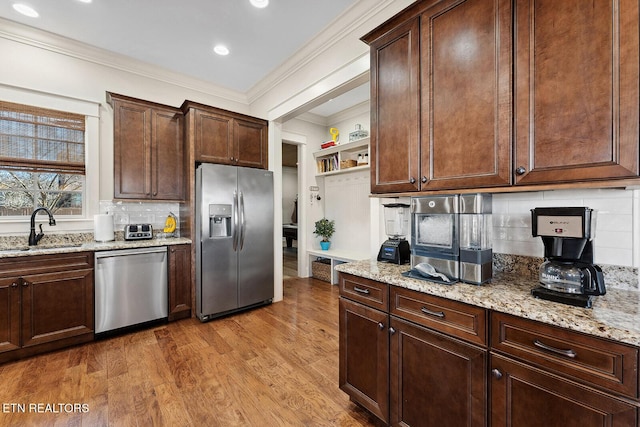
pixel 135 251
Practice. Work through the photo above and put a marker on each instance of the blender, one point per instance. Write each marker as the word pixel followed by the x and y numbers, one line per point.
pixel 567 274
pixel 396 225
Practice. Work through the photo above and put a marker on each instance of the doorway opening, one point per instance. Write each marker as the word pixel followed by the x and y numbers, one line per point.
pixel 290 193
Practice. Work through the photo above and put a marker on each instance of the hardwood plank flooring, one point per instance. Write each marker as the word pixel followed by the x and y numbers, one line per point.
pixel 272 366
pixel 290 261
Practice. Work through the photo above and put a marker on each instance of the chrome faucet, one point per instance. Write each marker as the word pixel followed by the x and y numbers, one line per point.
pixel 33 238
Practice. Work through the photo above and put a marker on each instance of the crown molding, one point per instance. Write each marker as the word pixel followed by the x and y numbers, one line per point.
pixel 349 113
pixel 40 39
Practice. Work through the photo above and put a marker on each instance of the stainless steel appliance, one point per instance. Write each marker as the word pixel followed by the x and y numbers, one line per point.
pixel 435 234
pixel 476 254
pixel 138 232
pixel 234 248
pixel 130 287
pixel 396 225
pixel 568 274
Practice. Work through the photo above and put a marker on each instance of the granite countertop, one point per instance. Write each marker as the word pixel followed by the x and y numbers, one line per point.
pixel 68 247
pixel 615 316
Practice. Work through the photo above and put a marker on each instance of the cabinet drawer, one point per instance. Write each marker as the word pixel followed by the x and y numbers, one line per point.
pixel 369 292
pixel 600 362
pixel 36 264
pixel 451 317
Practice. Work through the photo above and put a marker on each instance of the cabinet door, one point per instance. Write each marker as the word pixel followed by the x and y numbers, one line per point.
pixel 395 108
pixel 522 396
pixel 179 282
pixel 250 143
pixel 168 155
pixel 466 94
pixel 213 139
pixel 9 314
pixel 132 150
pixel 576 90
pixel 364 357
pixel 56 306
pixel 435 379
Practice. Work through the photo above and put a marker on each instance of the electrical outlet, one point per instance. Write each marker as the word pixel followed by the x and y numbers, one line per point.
pixel 314 188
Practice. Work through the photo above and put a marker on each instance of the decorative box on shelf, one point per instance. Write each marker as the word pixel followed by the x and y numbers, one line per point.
pixel 359 133
pixel 346 164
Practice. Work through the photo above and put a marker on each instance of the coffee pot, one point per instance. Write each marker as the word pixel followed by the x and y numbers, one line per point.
pixel 567 274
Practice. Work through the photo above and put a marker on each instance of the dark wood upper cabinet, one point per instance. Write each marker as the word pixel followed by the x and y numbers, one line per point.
pixel 149 150
pixel 466 94
pixel 224 137
pixel 576 90
pixel 395 109
pixel 499 93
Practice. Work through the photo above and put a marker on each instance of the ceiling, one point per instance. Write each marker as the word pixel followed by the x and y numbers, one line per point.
pixel 180 35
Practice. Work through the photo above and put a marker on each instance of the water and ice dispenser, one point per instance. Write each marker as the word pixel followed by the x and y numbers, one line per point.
pixel 219 221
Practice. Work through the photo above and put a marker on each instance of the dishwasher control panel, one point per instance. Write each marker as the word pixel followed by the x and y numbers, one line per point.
pixel 138 232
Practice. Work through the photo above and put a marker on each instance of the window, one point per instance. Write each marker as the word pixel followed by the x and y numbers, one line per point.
pixel 42 162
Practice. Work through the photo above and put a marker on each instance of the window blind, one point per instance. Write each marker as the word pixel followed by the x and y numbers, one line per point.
pixel 41 140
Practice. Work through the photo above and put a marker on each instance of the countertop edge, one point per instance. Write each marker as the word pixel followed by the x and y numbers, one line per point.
pixel 93 247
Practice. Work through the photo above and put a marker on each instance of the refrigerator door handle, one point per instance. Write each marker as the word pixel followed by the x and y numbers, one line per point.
pixel 242 220
pixel 235 221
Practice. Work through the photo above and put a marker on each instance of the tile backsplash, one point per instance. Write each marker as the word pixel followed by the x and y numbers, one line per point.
pixel 154 213
pixel 616 240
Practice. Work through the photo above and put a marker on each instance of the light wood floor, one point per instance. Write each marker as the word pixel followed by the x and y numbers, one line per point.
pixel 272 366
pixel 290 262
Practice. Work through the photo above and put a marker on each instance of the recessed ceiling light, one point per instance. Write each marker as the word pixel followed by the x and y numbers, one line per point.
pixel 25 10
pixel 85 1
pixel 260 3
pixel 221 50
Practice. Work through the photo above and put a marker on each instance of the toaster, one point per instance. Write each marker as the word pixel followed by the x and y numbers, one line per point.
pixel 138 232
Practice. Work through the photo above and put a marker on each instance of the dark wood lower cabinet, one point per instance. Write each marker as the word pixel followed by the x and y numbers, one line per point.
pixel 364 357
pixel 415 360
pixel 436 380
pixel 47 303
pixel 523 396
pixel 179 282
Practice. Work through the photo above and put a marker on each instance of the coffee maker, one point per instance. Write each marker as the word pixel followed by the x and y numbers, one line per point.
pixel 567 274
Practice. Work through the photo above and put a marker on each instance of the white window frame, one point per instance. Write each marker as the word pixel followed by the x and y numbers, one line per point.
pixel 91 201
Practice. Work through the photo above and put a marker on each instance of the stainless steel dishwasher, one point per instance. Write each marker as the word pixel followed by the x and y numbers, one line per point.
pixel 130 287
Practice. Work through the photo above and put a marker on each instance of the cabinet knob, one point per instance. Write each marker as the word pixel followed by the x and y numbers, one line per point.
pixel 520 170
pixel 496 374
pixel 424 179
pixel 25 283
pixel 14 285
pixel 412 180
pixel 392 331
pixel 381 325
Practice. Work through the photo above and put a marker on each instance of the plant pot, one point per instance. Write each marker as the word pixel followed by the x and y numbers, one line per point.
pixel 325 245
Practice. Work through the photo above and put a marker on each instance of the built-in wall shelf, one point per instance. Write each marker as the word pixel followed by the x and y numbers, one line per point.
pixel 342 158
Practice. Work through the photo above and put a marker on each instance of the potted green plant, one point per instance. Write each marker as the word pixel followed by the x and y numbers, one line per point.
pixel 325 229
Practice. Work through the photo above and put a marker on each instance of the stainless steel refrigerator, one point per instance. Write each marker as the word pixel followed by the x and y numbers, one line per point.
pixel 234 231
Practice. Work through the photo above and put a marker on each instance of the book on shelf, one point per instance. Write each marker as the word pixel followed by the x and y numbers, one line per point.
pixel 327 164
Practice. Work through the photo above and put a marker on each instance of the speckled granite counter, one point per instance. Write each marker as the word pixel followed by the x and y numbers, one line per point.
pixel 615 315
pixel 22 250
